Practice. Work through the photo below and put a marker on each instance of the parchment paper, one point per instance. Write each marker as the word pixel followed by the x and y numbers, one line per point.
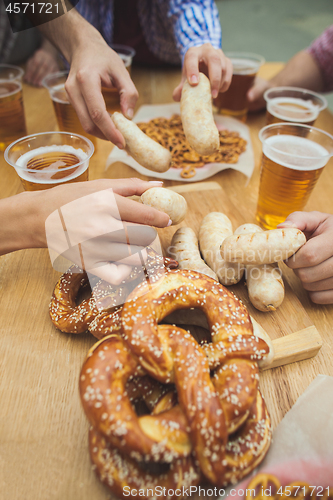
pixel 145 113
pixel 302 448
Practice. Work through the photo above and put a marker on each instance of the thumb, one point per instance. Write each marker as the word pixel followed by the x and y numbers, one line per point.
pixel 307 222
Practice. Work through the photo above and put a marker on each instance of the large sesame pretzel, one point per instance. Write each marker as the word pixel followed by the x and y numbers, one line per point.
pixel 208 410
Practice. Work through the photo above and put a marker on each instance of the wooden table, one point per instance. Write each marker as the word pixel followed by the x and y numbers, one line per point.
pixel 43 451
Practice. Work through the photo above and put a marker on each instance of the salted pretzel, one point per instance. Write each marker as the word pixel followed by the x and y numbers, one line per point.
pixel 70 317
pixel 208 409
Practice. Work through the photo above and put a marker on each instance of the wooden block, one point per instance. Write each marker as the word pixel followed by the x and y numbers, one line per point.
pixel 297 346
pixel 196 186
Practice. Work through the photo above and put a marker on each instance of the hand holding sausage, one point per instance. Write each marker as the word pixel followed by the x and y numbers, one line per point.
pixel 313 263
pixel 263 247
pixel 212 62
pixel 264 282
pixel 149 153
pixel 166 201
pixel 196 112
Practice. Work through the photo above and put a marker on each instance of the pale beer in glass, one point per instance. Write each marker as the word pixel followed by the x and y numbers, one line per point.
pixel 12 119
pixel 111 94
pixel 67 119
pixel 48 159
pixel 293 157
pixel 234 102
pixel 292 104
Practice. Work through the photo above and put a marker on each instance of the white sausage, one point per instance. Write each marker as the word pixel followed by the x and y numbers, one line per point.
pixel 196 113
pixel 149 153
pixel 214 228
pixel 166 200
pixel 184 248
pixel 264 247
pixel 264 282
pixel 265 286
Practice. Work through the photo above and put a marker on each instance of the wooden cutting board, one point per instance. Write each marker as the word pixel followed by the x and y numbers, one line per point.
pixel 43 430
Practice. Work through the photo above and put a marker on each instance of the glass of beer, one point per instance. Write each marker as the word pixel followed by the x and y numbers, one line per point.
pixel 292 104
pixel 293 157
pixel 234 102
pixel 10 72
pixel 67 119
pixel 12 118
pixel 111 94
pixel 48 159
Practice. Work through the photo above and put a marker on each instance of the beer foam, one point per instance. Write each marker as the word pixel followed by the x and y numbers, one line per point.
pixel 60 89
pixel 295 152
pixel 287 108
pixel 44 176
pixel 244 66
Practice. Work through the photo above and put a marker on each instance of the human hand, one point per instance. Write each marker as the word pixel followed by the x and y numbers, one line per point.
pixel 313 263
pixel 255 94
pixel 94 65
pixel 40 64
pixel 207 60
pixel 97 227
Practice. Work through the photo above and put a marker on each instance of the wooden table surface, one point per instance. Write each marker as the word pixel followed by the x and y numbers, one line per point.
pixel 43 431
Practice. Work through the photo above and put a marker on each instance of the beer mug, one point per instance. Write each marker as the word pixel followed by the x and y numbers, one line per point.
pixel 12 118
pixel 234 102
pixel 292 104
pixel 67 119
pixel 111 94
pixel 48 159
pixel 293 157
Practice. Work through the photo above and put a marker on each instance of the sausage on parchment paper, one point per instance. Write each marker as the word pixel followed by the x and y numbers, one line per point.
pixel 149 153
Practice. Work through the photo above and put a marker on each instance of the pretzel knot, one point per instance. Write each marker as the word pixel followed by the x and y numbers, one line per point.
pixel 218 426
pixel 71 317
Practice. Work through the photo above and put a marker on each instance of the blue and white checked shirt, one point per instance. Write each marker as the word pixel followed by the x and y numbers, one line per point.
pixel 170 27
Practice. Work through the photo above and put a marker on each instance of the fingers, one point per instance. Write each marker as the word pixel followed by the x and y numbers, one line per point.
pixel 308 222
pixel 319 273
pixel 89 85
pixel 141 214
pixel 177 93
pixel 315 251
pixel 191 65
pixel 255 95
pixel 322 297
pixel 227 76
pixel 128 95
pixel 313 263
pixel 212 62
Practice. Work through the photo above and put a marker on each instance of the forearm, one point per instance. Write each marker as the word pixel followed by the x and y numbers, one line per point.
pixel 67 32
pixel 20 223
pixel 301 70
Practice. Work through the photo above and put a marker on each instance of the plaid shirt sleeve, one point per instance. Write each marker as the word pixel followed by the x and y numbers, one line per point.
pixel 195 23
pixel 322 51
